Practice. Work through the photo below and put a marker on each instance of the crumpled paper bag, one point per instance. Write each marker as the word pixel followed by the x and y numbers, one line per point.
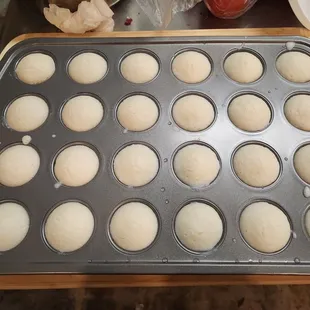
pixel 90 16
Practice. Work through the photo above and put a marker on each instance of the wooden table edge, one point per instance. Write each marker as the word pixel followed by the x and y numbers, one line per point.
pixel 49 281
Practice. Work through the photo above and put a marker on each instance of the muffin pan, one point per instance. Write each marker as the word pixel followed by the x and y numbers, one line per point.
pixel 165 193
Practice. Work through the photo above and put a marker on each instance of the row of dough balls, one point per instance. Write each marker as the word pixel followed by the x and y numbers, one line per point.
pixel 195 165
pixel 188 66
pixel 139 112
pixel 134 226
pixel 81 113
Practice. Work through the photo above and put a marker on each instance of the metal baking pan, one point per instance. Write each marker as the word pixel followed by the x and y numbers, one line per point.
pixel 165 193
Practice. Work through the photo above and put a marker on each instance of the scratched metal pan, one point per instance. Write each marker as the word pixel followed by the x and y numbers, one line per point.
pixel 165 193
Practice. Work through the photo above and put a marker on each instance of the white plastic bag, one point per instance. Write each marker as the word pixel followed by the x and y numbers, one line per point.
pixel 160 12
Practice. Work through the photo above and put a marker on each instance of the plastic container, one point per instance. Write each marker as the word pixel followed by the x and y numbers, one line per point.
pixel 229 8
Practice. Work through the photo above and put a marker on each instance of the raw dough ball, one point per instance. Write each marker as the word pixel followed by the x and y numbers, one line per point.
pixel 301 162
pixel 134 226
pixel 249 112
pixel 136 165
pixel 193 113
pixel 256 165
pixel 87 68
pixel 243 67
pixel 139 68
pixel 26 113
pixel 265 227
pixel 196 165
pixel 307 222
pixel 69 227
pixel 14 225
pixel 35 68
pixel 76 165
pixel 297 111
pixel 82 113
pixel 199 227
pixel 18 165
pixel 294 66
pixel 191 67
pixel 137 113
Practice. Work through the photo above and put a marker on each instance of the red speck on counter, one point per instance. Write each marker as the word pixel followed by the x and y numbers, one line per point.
pixel 128 21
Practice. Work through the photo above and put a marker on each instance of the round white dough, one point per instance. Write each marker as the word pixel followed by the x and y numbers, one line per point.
pixel 139 68
pixel 307 222
pixel 301 162
pixel 35 68
pixel 294 66
pixel 137 113
pixel 18 165
pixel 265 227
pixel 87 68
pixel 76 165
pixel 191 67
pixel 196 165
pixel 249 113
pixel 198 226
pixel 297 111
pixel 243 67
pixel 14 225
pixel 69 227
pixel 134 226
pixel 26 113
pixel 136 165
pixel 256 165
pixel 82 113
pixel 193 113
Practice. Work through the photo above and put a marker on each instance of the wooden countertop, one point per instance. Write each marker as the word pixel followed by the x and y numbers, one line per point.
pixel 87 281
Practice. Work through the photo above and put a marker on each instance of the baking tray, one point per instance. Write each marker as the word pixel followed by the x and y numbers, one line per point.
pixel 165 193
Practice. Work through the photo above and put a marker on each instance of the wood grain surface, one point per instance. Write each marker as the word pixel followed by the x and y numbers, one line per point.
pixel 92 281
pixel 48 281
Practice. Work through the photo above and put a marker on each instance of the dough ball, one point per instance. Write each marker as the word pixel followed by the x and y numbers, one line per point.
pixel 256 165
pixel 198 226
pixel 18 165
pixel 249 113
pixel 87 68
pixel 297 111
pixel 69 227
pixel 193 113
pixel 134 226
pixel 136 165
pixel 76 165
pixel 302 163
pixel 265 227
pixel 196 165
pixel 82 113
pixel 26 113
pixel 137 113
pixel 191 67
pixel 307 222
pixel 35 68
pixel 294 66
pixel 139 68
pixel 14 225
pixel 243 67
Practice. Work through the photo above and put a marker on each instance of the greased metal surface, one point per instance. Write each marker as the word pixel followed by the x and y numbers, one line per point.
pixel 165 193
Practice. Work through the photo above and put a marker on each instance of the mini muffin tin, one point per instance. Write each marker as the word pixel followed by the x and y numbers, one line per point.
pixel 165 193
